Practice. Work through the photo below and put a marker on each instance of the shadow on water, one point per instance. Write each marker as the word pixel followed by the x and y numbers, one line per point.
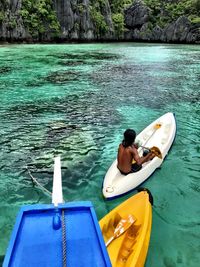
pixel 80 126
pixel 5 69
pixel 62 77
pixel 146 84
pixel 1 260
pixel 87 55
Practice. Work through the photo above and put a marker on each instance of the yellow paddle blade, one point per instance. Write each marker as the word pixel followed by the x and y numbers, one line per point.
pixel 122 227
pixel 156 151
pixel 157 126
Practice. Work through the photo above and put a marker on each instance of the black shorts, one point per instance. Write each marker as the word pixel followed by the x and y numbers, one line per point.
pixel 134 168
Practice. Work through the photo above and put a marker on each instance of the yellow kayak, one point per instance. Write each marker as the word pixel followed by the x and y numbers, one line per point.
pixel 130 248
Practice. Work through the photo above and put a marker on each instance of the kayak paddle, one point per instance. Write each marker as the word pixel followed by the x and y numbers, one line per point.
pixel 156 151
pixel 121 227
pixel 153 149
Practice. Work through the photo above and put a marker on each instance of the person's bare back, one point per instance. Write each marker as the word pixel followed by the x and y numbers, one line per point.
pixel 124 158
pixel 127 153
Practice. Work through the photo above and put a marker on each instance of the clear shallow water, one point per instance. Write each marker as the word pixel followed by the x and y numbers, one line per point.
pixel 76 101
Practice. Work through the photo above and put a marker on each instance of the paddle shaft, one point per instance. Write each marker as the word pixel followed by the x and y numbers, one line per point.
pixel 157 126
pixel 144 147
pixel 109 241
pixel 149 137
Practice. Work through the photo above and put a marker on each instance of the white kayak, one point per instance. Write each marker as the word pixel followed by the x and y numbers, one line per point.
pixel 159 133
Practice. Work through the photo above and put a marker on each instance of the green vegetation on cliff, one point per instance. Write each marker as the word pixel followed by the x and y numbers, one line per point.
pixel 164 12
pixel 1 16
pixel 39 17
pixel 117 8
pixel 97 9
pixel 96 12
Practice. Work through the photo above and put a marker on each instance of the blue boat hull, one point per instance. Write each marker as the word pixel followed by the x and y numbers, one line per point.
pixel 39 235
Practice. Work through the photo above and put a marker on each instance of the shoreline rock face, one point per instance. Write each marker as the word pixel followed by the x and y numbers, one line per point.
pixel 137 21
pixel 82 21
pixel 179 31
pixel 11 25
pixel 77 23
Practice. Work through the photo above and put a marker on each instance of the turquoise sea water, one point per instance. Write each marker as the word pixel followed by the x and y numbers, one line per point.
pixel 76 101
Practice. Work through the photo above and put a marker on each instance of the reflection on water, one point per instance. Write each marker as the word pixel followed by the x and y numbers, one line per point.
pixel 76 101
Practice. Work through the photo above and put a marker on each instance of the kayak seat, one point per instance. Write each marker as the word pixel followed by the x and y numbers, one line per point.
pixel 127 246
pixel 109 227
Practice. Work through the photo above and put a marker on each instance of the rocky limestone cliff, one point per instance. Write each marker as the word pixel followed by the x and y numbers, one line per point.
pixel 77 23
pixel 137 19
pixel 11 23
pixel 136 15
pixel 87 20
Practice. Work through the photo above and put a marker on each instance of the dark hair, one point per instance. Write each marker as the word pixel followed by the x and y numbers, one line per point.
pixel 129 137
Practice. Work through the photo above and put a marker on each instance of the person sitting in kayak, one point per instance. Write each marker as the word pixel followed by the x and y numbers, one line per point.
pixel 127 154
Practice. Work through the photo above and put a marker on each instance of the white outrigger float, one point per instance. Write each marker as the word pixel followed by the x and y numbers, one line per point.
pixel 160 133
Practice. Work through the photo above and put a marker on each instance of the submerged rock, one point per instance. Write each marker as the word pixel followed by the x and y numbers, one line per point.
pixel 5 69
pixel 62 77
